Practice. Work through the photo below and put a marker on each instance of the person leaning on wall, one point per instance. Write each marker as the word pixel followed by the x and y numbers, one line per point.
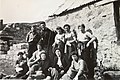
pixel 85 44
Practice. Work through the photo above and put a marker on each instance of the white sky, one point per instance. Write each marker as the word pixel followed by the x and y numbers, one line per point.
pixel 27 10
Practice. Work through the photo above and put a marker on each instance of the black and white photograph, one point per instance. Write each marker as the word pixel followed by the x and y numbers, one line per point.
pixel 59 39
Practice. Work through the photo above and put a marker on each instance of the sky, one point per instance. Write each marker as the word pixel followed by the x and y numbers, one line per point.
pixel 12 11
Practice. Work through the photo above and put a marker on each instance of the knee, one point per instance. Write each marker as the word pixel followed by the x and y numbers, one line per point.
pixel 54 72
pixel 34 68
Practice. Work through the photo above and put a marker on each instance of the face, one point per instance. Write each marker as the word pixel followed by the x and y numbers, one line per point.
pixel 43 56
pixel 58 53
pixel 33 29
pixel 39 47
pixel 81 29
pixel 42 25
pixel 59 31
pixel 74 57
pixel 20 56
pixel 66 28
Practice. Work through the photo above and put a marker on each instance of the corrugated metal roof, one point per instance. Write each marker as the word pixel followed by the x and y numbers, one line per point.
pixel 72 4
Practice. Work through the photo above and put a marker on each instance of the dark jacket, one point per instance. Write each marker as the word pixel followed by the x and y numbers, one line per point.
pixel 65 63
pixel 44 66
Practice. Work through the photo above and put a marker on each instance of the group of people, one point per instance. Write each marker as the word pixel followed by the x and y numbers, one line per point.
pixel 73 54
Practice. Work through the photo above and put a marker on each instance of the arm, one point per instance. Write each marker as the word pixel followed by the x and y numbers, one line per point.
pixel 93 38
pixel 17 64
pixel 32 61
pixel 80 71
pixel 74 38
pixel 27 37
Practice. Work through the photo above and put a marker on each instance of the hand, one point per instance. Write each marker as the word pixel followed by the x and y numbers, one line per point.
pixel 76 78
pixel 62 72
pixel 88 44
pixel 53 45
pixel 73 70
pixel 21 63
pixel 68 43
pixel 50 68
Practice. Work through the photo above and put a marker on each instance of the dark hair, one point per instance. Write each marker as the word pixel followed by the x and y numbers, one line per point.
pixel 59 50
pixel 43 22
pixel 59 28
pixel 74 53
pixel 66 25
pixel 82 25
pixel 20 53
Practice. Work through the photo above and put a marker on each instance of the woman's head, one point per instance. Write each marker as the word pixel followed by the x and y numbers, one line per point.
pixel 58 52
pixel 66 27
pixel 20 55
pixel 59 30
pixel 81 27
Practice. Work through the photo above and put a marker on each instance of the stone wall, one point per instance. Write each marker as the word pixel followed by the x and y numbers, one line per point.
pixel 100 19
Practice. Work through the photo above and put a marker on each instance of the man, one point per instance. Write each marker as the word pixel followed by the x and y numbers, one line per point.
pixel 85 46
pixel 77 70
pixel 32 38
pixel 45 36
pixel 36 56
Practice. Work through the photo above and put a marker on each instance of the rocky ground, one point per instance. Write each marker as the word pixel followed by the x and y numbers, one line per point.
pixel 7 61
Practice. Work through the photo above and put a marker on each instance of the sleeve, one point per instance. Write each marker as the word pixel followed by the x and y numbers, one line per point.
pixel 27 37
pixel 89 35
pixel 81 64
pixel 55 38
pixel 17 62
pixel 74 36
pixel 71 67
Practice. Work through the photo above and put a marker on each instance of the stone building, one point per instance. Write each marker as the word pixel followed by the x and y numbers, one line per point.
pixel 102 17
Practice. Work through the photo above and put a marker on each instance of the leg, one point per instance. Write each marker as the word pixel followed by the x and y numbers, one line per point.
pixel 54 74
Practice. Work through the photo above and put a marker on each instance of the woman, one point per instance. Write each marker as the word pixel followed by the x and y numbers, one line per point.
pixel 59 39
pixel 77 70
pixel 70 39
pixel 60 65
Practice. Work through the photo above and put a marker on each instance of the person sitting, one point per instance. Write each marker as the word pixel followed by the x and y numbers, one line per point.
pixel 60 65
pixel 77 70
pixel 21 65
pixel 40 69
pixel 85 48
pixel 59 39
pixel 35 57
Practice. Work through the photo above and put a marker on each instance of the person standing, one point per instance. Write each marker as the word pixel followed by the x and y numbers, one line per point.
pixel 59 39
pixel 85 44
pixel 32 38
pixel 45 36
pixel 70 44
